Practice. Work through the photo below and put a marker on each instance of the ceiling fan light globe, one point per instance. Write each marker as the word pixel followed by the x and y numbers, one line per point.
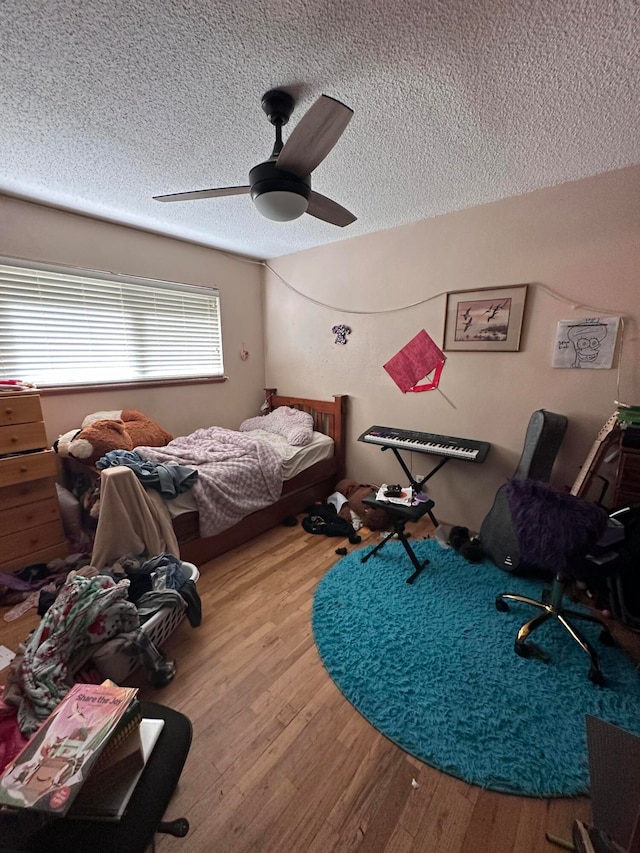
pixel 280 205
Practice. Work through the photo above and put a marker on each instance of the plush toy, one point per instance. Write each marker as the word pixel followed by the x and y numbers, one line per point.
pixel 102 432
pixel 371 517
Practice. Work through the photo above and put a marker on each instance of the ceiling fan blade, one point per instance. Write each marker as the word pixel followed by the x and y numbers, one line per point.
pixel 314 136
pixel 323 208
pixel 191 196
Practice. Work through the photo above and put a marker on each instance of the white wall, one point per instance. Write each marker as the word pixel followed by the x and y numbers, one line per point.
pixel 578 247
pixel 35 232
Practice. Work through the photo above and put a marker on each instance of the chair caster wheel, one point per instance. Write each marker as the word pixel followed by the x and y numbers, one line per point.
pixel 501 605
pixel 596 677
pixel 607 638
pixel 178 828
pixel 530 650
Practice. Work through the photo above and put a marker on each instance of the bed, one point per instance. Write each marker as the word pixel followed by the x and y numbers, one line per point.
pixel 316 481
pixel 312 484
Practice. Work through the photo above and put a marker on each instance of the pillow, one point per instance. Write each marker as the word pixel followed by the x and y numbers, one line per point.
pixel 294 425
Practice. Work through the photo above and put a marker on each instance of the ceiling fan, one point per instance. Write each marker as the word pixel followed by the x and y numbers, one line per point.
pixel 281 186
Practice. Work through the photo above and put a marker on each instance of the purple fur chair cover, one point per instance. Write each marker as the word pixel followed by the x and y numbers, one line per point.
pixel 552 526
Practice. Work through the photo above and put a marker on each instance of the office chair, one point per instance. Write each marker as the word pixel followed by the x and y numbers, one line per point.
pixel 554 531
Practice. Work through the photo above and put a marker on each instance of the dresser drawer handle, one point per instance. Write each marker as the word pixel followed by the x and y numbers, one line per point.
pixel 14 439
pixel 23 469
pixel 29 517
pixel 8 411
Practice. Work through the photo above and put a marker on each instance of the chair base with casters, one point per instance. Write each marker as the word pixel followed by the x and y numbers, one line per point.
pixel 552 609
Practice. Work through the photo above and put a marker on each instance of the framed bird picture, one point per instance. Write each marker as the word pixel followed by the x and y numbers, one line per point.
pixel 485 320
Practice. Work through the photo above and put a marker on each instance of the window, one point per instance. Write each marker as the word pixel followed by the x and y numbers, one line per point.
pixel 65 327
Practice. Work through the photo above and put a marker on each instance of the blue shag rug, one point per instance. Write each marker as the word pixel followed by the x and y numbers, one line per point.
pixel 431 665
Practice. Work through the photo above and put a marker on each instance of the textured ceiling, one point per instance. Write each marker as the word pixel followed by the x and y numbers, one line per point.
pixel 106 103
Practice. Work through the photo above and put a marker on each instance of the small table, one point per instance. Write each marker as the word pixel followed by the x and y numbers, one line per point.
pixel 400 516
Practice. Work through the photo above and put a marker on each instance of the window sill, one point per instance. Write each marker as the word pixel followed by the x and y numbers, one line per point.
pixel 52 390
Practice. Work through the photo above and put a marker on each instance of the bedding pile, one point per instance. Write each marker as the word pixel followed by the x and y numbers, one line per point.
pixel 237 473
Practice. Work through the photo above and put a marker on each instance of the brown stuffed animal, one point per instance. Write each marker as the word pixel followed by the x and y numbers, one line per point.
pixel 371 517
pixel 106 431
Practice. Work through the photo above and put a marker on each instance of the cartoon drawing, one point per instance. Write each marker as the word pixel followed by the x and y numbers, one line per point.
pixel 588 343
pixel 586 340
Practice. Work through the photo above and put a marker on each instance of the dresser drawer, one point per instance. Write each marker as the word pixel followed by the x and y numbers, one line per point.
pixel 44 555
pixel 26 493
pixel 29 466
pixel 29 515
pixel 20 409
pixel 19 545
pixel 19 437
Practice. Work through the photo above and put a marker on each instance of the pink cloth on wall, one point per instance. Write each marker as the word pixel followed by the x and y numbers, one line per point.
pixel 415 361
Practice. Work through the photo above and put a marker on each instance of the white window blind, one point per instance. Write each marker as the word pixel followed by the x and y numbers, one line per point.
pixel 64 327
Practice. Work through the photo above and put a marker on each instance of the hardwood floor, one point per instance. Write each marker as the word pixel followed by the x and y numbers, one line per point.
pixel 280 760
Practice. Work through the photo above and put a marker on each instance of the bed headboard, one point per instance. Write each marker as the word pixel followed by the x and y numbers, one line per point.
pixel 329 417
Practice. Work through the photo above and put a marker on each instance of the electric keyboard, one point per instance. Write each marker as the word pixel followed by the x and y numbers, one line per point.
pixel 427 442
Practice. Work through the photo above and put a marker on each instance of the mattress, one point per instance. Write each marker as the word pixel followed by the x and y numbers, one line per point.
pixel 294 461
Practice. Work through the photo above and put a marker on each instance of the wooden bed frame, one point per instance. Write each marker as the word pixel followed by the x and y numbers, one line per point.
pixel 313 484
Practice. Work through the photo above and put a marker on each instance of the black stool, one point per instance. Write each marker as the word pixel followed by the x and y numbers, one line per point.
pixel 400 516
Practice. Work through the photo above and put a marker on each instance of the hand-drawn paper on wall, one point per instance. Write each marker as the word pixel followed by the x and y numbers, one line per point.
pixel 587 342
pixel 420 358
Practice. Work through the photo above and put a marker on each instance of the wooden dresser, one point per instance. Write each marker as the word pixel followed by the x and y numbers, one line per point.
pixel 30 525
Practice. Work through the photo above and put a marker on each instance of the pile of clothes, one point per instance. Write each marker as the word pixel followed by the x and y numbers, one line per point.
pixel 87 613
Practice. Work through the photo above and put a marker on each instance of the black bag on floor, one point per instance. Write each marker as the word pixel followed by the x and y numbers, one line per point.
pixel 323 518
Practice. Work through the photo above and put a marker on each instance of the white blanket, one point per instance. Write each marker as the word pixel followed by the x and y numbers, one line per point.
pixel 237 473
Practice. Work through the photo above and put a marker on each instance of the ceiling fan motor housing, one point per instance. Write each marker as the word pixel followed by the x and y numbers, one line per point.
pixel 266 178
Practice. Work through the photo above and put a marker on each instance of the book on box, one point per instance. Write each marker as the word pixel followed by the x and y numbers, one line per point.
pixel 50 770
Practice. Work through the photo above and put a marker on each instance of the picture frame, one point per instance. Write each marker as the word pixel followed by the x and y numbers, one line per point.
pixel 488 319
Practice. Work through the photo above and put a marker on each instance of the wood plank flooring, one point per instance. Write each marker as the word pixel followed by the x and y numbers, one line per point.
pixel 281 762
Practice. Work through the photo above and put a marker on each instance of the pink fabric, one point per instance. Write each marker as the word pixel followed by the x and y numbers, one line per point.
pixel 11 740
pixel 237 473
pixel 414 362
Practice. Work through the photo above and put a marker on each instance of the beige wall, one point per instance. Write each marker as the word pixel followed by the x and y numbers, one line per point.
pixel 577 245
pixel 35 232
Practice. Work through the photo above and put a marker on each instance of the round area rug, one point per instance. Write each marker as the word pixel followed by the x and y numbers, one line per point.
pixel 431 665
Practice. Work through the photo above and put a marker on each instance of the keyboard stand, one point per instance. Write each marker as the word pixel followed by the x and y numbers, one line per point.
pixel 417 484
pixel 400 516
